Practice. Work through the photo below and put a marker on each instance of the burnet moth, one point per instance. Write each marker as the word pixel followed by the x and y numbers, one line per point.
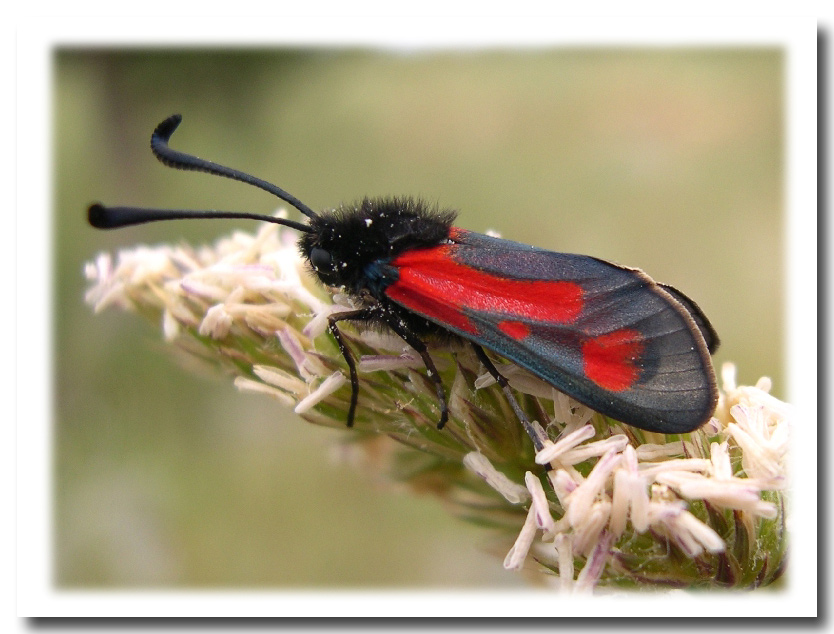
pixel 607 335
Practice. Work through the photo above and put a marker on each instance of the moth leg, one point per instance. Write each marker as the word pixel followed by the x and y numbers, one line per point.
pixel 415 342
pixel 534 431
pixel 355 315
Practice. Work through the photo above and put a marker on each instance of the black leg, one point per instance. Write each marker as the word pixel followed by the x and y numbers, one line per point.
pixel 415 342
pixel 357 315
pixel 535 432
pixel 406 335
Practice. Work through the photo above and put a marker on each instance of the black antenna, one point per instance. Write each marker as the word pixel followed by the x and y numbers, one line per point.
pixel 103 217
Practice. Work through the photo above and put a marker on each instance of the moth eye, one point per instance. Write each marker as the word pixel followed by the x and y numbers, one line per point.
pixel 321 259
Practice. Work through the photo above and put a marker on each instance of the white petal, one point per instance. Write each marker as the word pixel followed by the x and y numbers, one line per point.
pixel 518 553
pixel 544 520
pixel 328 386
pixel 554 450
pixel 479 464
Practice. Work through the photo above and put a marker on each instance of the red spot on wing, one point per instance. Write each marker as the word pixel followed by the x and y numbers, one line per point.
pixel 433 283
pixel 612 361
pixel 515 329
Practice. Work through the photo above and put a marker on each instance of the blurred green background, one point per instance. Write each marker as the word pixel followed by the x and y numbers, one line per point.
pixel 666 159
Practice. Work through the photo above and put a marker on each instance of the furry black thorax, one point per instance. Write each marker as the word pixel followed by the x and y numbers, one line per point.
pixel 374 230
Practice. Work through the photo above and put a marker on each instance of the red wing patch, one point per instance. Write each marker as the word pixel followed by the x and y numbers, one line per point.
pixel 611 360
pixel 515 329
pixel 432 283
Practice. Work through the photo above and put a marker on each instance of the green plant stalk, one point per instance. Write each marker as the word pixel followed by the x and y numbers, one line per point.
pixel 604 504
